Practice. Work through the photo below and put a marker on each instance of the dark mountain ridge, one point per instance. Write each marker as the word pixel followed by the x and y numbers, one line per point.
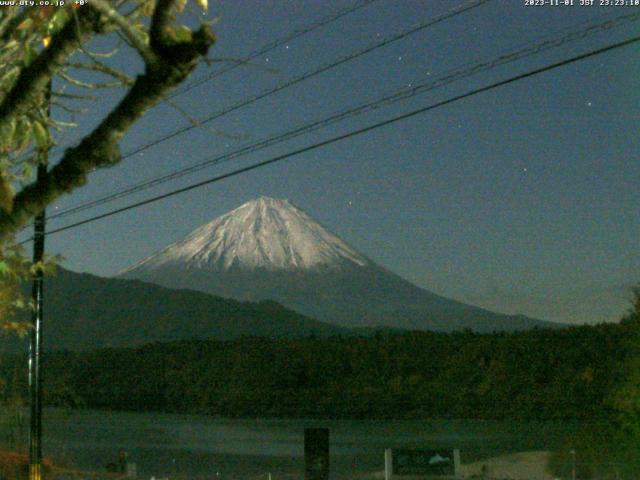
pixel 85 312
pixel 270 249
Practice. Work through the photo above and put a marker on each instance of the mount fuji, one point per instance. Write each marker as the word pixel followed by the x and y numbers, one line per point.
pixel 268 249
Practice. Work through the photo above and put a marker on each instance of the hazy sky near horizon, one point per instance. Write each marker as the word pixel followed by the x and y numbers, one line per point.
pixel 523 199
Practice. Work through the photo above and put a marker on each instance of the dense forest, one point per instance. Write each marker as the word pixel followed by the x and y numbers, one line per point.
pixel 588 373
pixel 537 374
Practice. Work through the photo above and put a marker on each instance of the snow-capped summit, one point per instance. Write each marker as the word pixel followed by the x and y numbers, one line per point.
pixel 267 234
pixel 268 249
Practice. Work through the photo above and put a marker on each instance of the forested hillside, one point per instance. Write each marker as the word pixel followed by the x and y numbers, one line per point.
pixel 87 312
pixel 537 374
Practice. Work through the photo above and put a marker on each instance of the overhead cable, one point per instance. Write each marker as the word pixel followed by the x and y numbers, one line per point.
pixel 398 95
pixel 466 6
pixel 352 133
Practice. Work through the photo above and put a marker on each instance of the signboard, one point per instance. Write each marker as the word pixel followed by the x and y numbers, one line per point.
pixel 316 454
pixel 421 463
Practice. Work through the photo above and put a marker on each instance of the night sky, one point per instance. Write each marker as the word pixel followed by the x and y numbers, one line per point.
pixel 523 199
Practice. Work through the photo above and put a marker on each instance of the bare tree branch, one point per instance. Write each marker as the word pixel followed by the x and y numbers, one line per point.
pixel 89 86
pixel 159 22
pixel 198 124
pixel 59 125
pixel 175 61
pixel 73 96
pixel 96 55
pixel 66 108
pixel 103 68
pixel 35 77
pixel 127 29
pixel 10 21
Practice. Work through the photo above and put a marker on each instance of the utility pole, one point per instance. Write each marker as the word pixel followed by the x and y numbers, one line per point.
pixel 35 344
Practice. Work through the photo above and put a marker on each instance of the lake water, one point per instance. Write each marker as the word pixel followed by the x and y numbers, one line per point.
pixel 164 445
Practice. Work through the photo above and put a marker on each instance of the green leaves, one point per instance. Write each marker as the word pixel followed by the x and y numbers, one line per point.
pixel 147 7
pixel 7 132
pixel 6 194
pixel 40 135
pixel 57 21
pixel 26 24
pixel 14 270
pixel 47 266
pixel 180 33
pixel 203 4
pixel 17 134
pixel 29 56
pixel 23 135
pixel 40 43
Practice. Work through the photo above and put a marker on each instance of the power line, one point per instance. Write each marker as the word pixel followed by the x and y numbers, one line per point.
pixel 273 45
pixel 466 6
pixel 450 14
pixel 266 49
pixel 353 133
pixel 404 93
pixel 323 68
pixel 387 41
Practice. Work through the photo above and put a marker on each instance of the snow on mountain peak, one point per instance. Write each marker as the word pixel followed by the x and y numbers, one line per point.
pixel 264 233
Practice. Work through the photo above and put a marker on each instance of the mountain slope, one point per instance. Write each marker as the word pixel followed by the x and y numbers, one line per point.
pixel 84 312
pixel 270 249
pixel 266 234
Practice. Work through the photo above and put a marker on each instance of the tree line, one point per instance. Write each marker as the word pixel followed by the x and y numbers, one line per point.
pixel 585 373
pixel 542 374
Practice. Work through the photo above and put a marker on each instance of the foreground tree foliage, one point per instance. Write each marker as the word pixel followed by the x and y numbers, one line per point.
pixel 586 378
pixel 611 449
pixel 46 60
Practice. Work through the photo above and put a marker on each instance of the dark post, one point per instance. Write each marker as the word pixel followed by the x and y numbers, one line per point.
pixel 35 344
pixel 35 349
pixel 316 454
